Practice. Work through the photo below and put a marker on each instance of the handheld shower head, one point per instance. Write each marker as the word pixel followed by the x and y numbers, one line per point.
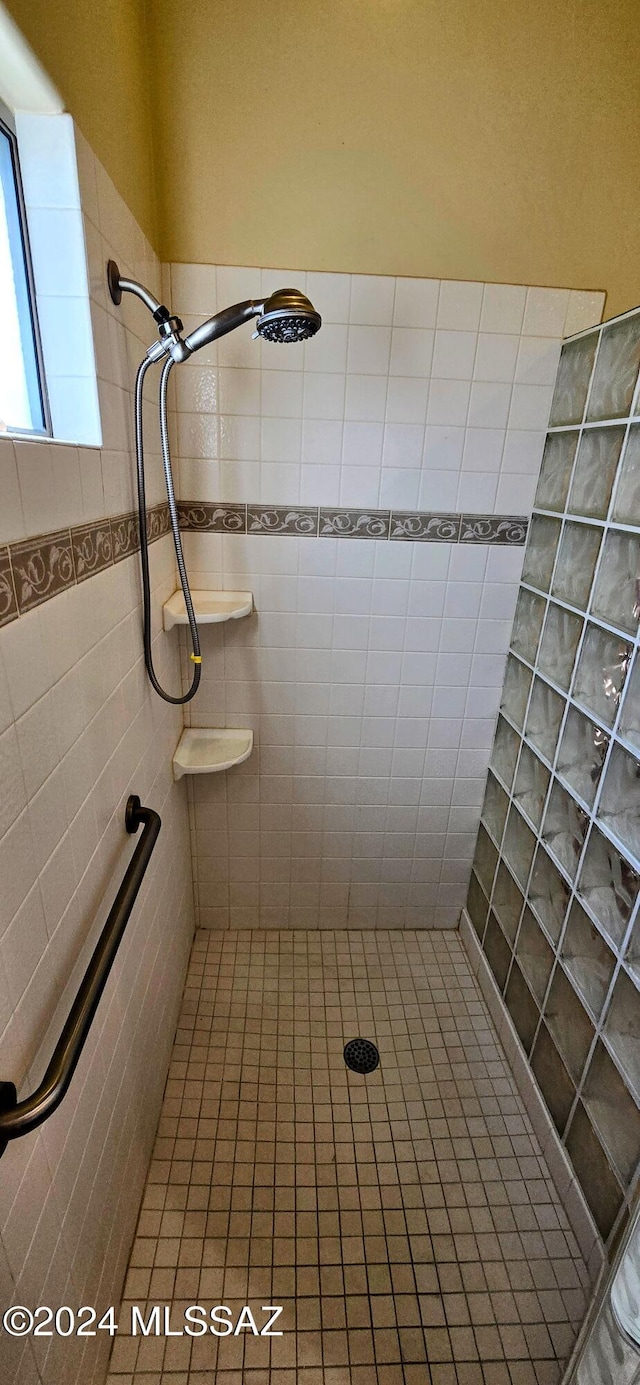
pixel 288 316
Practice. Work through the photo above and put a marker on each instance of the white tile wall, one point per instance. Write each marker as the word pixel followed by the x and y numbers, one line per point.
pixel 415 393
pixel 79 731
pixel 371 673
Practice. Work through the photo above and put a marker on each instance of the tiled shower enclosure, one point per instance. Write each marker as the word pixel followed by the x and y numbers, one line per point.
pixel 372 491
pixel 554 894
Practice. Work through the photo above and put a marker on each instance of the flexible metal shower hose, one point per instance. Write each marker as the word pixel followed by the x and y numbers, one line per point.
pixel 144 545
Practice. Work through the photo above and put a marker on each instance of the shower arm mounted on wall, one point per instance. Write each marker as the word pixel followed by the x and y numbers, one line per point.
pixel 286 316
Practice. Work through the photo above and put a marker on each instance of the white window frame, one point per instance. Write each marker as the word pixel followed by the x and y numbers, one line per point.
pixel 53 215
pixel 20 250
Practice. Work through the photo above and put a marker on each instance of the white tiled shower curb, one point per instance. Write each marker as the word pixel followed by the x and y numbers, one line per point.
pixel 560 1167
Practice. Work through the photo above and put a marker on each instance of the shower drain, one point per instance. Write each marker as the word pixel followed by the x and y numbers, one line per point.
pixel 361 1055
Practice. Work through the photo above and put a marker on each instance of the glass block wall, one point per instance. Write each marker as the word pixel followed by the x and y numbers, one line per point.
pixel 554 894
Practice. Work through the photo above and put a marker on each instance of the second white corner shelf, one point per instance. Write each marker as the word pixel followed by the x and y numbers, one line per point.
pixel 209 750
pixel 211 607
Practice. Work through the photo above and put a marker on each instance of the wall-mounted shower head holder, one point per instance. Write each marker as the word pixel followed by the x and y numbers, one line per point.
pixel 170 342
pixel 286 316
pixel 118 285
pixel 169 327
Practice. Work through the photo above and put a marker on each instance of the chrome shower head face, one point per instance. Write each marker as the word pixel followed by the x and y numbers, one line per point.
pixel 288 316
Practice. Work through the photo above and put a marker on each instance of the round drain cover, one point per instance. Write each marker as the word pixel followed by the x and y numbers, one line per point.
pixel 361 1055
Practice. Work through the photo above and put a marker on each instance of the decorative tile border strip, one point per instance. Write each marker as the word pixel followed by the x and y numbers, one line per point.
pixel 92 549
pixel 224 518
pixel 507 529
pixel 8 603
pixel 354 524
pixel 301 520
pixel 125 532
pixel 158 523
pixel 36 569
pixel 41 567
pixel 311 521
pixel 424 528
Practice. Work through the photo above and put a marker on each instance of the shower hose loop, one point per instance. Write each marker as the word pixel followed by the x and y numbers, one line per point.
pixel 144 542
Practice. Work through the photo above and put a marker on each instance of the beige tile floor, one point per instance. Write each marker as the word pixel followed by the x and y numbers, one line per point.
pixel 405 1221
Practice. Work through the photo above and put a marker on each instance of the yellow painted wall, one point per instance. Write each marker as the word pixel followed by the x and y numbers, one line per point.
pixel 477 139
pixel 95 51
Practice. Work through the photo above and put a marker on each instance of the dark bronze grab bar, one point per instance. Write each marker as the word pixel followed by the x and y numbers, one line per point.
pixel 19 1118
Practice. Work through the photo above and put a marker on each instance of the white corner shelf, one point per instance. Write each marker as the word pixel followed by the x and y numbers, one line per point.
pixel 210 750
pixel 211 607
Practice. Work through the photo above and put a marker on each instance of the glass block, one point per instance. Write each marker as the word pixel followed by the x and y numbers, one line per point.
pixel 576 564
pixel 494 808
pixel 541 551
pixel 595 1175
pixel 532 782
pixel 572 380
pixel 581 754
pixel 517 681
pixel 626 506
pixel 595 470
pixel 543 718
pixel 602 669
pixel 552 1077
pixel 507 902
pixel 633 950
pixel 518 846
pixel 565 828
pixel 614 1113
pixel 623 1029
pixel 485 860
pixel 609 885
pixel 549 894
pixel 534 954
pixel 497 951
pixel 562 631
pixel 616 595
pixel 477 904
pixel 527 624
pixel 620 801
pixel 587 958
pixel 505 751
pixel 607 1352
pixel 569 1024
pixel 630 717
pixel 522 1007
pixel 616 370
pixel 555 471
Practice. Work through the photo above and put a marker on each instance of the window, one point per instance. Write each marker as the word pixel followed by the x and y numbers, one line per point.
pixel 23 403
